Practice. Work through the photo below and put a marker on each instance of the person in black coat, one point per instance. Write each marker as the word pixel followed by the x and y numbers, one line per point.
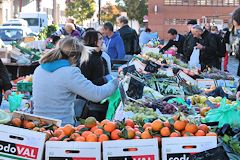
pixel 203 40
pixel 174 39
pixel 94 69
pixel 5 83
pixel 236 23
pixel 129 36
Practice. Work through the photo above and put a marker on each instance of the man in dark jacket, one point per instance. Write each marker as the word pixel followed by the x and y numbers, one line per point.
pixel 4 82
pixel 188 40
pixel 129 36
pixel 236 23
pixel 207 45
pixel 174 39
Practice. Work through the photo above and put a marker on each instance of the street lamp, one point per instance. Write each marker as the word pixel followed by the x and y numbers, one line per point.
pixel 99 12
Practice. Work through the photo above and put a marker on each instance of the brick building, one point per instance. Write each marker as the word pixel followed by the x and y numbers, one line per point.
pixel 165 14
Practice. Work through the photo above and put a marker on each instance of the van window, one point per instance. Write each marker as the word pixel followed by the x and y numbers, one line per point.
pixel 32 21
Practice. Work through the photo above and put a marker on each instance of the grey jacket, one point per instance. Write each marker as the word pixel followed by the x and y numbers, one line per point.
pixel 54 92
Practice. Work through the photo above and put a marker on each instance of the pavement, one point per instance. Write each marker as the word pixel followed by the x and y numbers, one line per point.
pixel 233 65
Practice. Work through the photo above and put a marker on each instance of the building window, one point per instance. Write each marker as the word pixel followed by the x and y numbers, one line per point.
pixel 174 21
pixel 202 2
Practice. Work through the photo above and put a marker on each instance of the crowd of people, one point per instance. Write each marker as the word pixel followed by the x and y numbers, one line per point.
pixel 80 64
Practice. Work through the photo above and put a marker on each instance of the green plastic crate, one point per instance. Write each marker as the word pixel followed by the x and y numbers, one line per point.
pixel 24 86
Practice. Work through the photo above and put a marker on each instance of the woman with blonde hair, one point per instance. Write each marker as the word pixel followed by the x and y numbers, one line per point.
pixel 57 82
pixel 71 30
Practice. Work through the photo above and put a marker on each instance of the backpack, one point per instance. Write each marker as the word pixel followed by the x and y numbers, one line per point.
pixel 221 46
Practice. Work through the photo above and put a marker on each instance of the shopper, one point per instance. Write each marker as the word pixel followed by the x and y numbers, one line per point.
pixel 218 37
pixel 207 46
pixel 5 83
pixel 129 36
pixel 56 82
pixel 228 48
pixel 188 40
pixel 176 40
pixel 94 68
pixel 71 30
pixel 236 23
pixel 146 36
pixel 62 30
pixel 114 43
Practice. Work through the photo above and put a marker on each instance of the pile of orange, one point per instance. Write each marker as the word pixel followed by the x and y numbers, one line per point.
pixel 94 131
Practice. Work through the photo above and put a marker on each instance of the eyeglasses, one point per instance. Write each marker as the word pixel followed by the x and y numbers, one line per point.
pixel 101 38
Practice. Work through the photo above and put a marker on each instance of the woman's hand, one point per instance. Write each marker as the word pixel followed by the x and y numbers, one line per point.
pixel 7 94
pixel 238 95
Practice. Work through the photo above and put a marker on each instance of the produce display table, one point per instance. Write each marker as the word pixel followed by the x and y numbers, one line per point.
pixel 19 70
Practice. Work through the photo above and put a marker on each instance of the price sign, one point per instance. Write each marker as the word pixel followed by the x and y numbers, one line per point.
pixel 135 88
pixel 151 67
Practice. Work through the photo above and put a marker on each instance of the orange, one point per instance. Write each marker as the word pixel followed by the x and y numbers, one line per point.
pixel 167 124
pixel 192 128
pixel 86 133
pixel 165 132
pixel 17 122
pixel 80 139
pixel 105 121
pixel 91 138
pixel 131 133
pixel 98 132
pixel 79 127
pixel 175 118
pixel 94 128
pixel 109 127
pixel 24 122
pixel 68 129
pixel 146 125
pixel 200 133
pixel 211 134
pixel 204 127
pixel 115 134
pixel 146 135
pixel 58 132
pixel 148 128
pixel 179 125
pixel 174 134
pixel 74 136
pixel 90 122
pixel 30 125
pixel 103 137
pixel 157 125
pixel 129 122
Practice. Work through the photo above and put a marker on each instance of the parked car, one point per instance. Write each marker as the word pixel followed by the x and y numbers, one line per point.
pixel 9 34
pixel 16 22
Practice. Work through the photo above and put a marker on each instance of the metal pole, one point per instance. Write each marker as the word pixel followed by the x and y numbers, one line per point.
pixel 20 6
pixel 99 12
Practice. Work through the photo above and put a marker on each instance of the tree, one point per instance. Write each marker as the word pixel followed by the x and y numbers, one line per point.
pixel 135 9
pixel 110 12
pixel 80 9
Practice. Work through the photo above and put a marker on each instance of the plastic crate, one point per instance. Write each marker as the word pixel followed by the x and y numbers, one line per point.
pixel 24 86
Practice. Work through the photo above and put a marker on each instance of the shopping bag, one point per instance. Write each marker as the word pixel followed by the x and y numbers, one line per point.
pixel 194 59
pixel 15 101
pixel 225 114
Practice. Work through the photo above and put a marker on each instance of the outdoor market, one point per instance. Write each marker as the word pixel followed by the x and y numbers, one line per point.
pixel 75 93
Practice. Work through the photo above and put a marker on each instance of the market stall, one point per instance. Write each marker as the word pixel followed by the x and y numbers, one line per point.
pixel 165 111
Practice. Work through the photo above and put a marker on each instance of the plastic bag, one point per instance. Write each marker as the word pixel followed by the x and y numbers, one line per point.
pixel 15 101
pixel 225 114
pixel 114 101
pixel 194 59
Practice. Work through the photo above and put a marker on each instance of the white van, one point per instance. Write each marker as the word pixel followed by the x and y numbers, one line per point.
pixel 36 20
pixel 16 22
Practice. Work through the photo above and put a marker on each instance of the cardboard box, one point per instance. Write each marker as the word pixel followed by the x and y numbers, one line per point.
pixel 73 150
pixel 179 148
pixel 18 114
pixel 205 83
pixel 18 143
pixel 141 149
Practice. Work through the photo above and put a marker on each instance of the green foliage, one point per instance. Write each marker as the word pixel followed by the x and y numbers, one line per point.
pixel 80 9
pixel 47 31
pixel 110 13
pixel 135 9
